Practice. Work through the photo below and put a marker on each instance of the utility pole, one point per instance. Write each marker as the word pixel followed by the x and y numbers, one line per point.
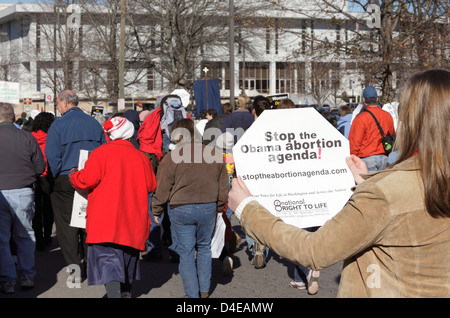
pixel 122 51
pixel 206 82
pixel 231 22
pixel 56 27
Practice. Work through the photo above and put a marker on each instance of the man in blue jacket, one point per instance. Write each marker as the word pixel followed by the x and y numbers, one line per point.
pixel 67 135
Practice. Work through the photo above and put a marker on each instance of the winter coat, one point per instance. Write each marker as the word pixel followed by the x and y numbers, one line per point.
pixel 69 134
pixel 184 179
pixel 41 137
pixel 120 178
pixel 365 137
pixel 344 123
pixel 21 158
pixel 149 134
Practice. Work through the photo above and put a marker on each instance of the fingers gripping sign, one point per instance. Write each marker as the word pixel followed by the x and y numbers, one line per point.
pixel 238 193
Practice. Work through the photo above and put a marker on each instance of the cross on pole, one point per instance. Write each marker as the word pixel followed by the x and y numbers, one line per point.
pixel 206 70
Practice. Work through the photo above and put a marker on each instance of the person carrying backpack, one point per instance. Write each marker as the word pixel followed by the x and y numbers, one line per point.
pixel 365 137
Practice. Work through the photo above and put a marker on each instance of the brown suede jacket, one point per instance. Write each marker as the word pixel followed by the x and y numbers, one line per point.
pixel 191 173
pixel 390 246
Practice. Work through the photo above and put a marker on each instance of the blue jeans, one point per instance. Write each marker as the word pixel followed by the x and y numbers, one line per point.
pixel 376 162
pixel 16 216
pixel 299 270
pixel 193 226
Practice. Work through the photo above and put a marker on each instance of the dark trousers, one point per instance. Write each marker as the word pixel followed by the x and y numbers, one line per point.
pixel 43 216
pixel 72 240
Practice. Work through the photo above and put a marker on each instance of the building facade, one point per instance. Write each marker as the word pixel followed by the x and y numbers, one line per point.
pixel 288 52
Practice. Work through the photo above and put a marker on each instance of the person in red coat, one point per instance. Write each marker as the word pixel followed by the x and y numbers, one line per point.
pixel 119 179
pixel 43 217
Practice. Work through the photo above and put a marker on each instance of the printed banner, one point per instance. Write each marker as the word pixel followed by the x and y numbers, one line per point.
pixel 207 95
pixel 274 100
pixel 293 162
pixel 80 199
pixel 9 92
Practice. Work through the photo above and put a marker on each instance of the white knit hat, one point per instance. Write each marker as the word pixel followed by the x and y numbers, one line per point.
pixel 119 128
pixel 34 113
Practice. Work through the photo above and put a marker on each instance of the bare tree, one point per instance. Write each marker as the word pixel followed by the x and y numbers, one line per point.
pixel 99 57
pixel 382 37
pixel 175 36
pixel 77 48
pixel 171 35
pixel 324 82
pixel 56 45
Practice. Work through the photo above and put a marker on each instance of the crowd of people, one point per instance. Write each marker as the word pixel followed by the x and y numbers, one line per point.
pixel 138 188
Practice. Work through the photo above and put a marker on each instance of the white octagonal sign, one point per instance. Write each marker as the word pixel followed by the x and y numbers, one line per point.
pixel 293 162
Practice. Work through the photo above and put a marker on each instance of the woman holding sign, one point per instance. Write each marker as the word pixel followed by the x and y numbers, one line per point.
pixel 393 235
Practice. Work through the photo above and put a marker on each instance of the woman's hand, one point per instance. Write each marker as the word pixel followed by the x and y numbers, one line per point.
pixel 357 166
pixel 238 192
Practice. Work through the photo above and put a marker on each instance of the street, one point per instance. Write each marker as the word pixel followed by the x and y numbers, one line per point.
pixel 162 280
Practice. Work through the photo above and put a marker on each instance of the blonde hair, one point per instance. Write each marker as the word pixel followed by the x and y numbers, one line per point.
pixel 424 113
pixel 242 101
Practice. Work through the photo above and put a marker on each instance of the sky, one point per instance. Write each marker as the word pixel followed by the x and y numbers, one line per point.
pixel 17 1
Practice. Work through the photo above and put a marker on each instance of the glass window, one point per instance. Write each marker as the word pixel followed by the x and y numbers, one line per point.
pixel 254 75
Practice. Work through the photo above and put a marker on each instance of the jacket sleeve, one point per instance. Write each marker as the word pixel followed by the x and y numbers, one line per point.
pixel 355 137
pixel 53 151
pixel 356 227
pixel 224 188
pixel 165 179
pixel 88 177
pixel 37 158
pixel 151 179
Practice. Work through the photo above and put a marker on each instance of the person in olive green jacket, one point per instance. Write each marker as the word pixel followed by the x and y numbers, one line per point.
pixel 393 235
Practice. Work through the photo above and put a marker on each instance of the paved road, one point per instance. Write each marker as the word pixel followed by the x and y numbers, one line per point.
pixel 162 280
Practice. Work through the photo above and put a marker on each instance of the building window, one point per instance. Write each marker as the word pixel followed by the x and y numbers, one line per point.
pixel 301 77
pixel 290 78
pixel 304 36
pixel 338 39
pixel 326 77
pixel 5 73
pixel 150 79
pixel 285 78
pixel 254 76
pixel 276 36
pixel 38 79
pixel 38 37
pixel 215 70
pixel 227 81
pixel 111 80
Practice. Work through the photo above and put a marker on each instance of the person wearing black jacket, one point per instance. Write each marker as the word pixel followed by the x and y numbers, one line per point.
pixel 22 162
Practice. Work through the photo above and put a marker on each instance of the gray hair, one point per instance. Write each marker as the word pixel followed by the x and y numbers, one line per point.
pixel 6 112
pixel 70 97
